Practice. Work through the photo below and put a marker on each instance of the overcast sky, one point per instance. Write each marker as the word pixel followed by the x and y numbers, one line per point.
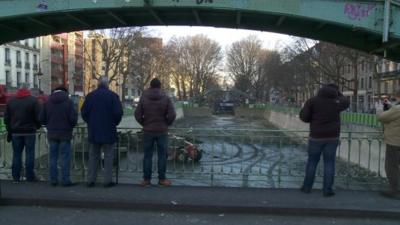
pixel 224 36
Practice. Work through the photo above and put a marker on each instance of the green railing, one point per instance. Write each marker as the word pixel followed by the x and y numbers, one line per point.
pixel 346 117
pixel 2 125
pixel 221 157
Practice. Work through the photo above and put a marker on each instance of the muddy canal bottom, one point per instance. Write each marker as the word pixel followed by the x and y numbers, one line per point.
pixel 236 153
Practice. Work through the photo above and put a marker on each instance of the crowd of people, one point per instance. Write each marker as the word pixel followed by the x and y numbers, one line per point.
pixel 102 111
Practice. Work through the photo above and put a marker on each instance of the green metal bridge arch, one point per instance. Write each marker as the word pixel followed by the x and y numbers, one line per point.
pixel 369 25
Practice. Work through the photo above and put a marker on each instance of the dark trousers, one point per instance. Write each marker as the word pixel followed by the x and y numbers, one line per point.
pixel 392 163
pixel 94 160
pixel 62 147
pixel 328 149
pixel 149 141
pixel 19 143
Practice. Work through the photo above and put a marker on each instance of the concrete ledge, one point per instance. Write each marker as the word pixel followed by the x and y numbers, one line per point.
pixel 137 206
pixel 203 200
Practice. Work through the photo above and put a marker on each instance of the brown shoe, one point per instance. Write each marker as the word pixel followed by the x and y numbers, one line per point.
pixel 165 183
pixel 145 183
pixel 391 194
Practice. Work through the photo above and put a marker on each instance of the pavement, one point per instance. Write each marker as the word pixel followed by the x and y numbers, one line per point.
pixel 202 200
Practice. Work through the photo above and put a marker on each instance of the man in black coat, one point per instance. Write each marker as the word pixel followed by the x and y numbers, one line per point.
pixel 59 115
pixel 323 114
pixel 22 121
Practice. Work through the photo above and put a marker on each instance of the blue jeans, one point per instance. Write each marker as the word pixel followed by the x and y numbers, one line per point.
pixel 18 144
pixel 328 149
pixel 64 148
pixel 149 140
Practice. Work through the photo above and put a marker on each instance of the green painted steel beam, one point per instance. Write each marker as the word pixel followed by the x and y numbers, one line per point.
pixel 356 24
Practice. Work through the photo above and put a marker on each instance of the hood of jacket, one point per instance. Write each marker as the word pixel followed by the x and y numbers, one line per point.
pixel 328 92
pixel 153 94
pixel 23 92
pixel 58 97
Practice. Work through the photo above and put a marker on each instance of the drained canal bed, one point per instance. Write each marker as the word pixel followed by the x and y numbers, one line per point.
pixel 234 153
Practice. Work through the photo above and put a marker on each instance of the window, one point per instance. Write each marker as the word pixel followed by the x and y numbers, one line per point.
pixel 27 78
pixel 18 58
pixel 18 79
pixel 362 83
pixel 27 61
pixel 362 65
pixel 8 79
pixel 7 57
pixel 35 62
pixel 370 82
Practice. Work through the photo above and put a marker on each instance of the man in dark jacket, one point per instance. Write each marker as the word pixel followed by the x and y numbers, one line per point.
pixel 102 111
pixel 22 121
pixel 59 116
pixel 323 114
pixel 155 112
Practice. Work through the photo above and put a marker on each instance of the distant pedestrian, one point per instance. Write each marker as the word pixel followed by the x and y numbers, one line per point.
pixel 22 122
pixel 323 114
pixel 390 119
pixel 60 117
pixel 155 112
pixel 102 111
pixel 42 98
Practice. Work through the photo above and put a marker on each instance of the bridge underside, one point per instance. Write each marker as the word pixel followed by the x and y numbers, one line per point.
pixel 21 27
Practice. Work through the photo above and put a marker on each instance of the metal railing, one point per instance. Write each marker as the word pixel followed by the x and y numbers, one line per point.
pixel 362 119
pixel 229 157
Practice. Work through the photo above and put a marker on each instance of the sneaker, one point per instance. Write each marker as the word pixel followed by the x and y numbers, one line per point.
pixel 391 194
pixel 145 183
pixel 33 180
pixel 68 184
pixel 329 194
pixel 165 183
pixel 305 190
pixel 16 181
pixel 108 185
pixel 90 184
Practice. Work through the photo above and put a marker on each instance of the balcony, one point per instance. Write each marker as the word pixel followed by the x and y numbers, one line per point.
pixel 7 62
pixel 19 65
pixel 35 67
pixel 78 42
pixel 56 45
pixel 27 65
pixel 57 59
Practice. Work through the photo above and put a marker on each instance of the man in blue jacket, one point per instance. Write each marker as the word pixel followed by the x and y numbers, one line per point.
pixel 102 111
pixel 60 116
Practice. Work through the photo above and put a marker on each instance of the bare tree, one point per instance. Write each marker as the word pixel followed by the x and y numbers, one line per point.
pixel 194 61
pixel 331 63
pixel 243 62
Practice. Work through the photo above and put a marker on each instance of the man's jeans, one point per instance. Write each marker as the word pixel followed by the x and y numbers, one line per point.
pixel 392 164
pixel 62 147
pixel 328 149
pixel 18 144
pixel 94 159
pixel 161 141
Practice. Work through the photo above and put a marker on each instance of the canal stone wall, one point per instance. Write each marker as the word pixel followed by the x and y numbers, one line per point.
pixel 359 145
pixel 242 112
pixel 197 112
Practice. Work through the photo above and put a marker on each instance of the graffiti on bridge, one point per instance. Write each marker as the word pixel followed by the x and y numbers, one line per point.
pixel 358 11
pixel 198 2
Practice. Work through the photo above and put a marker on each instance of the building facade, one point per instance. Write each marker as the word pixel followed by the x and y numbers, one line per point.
pixel 19 63
pixel 61 62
